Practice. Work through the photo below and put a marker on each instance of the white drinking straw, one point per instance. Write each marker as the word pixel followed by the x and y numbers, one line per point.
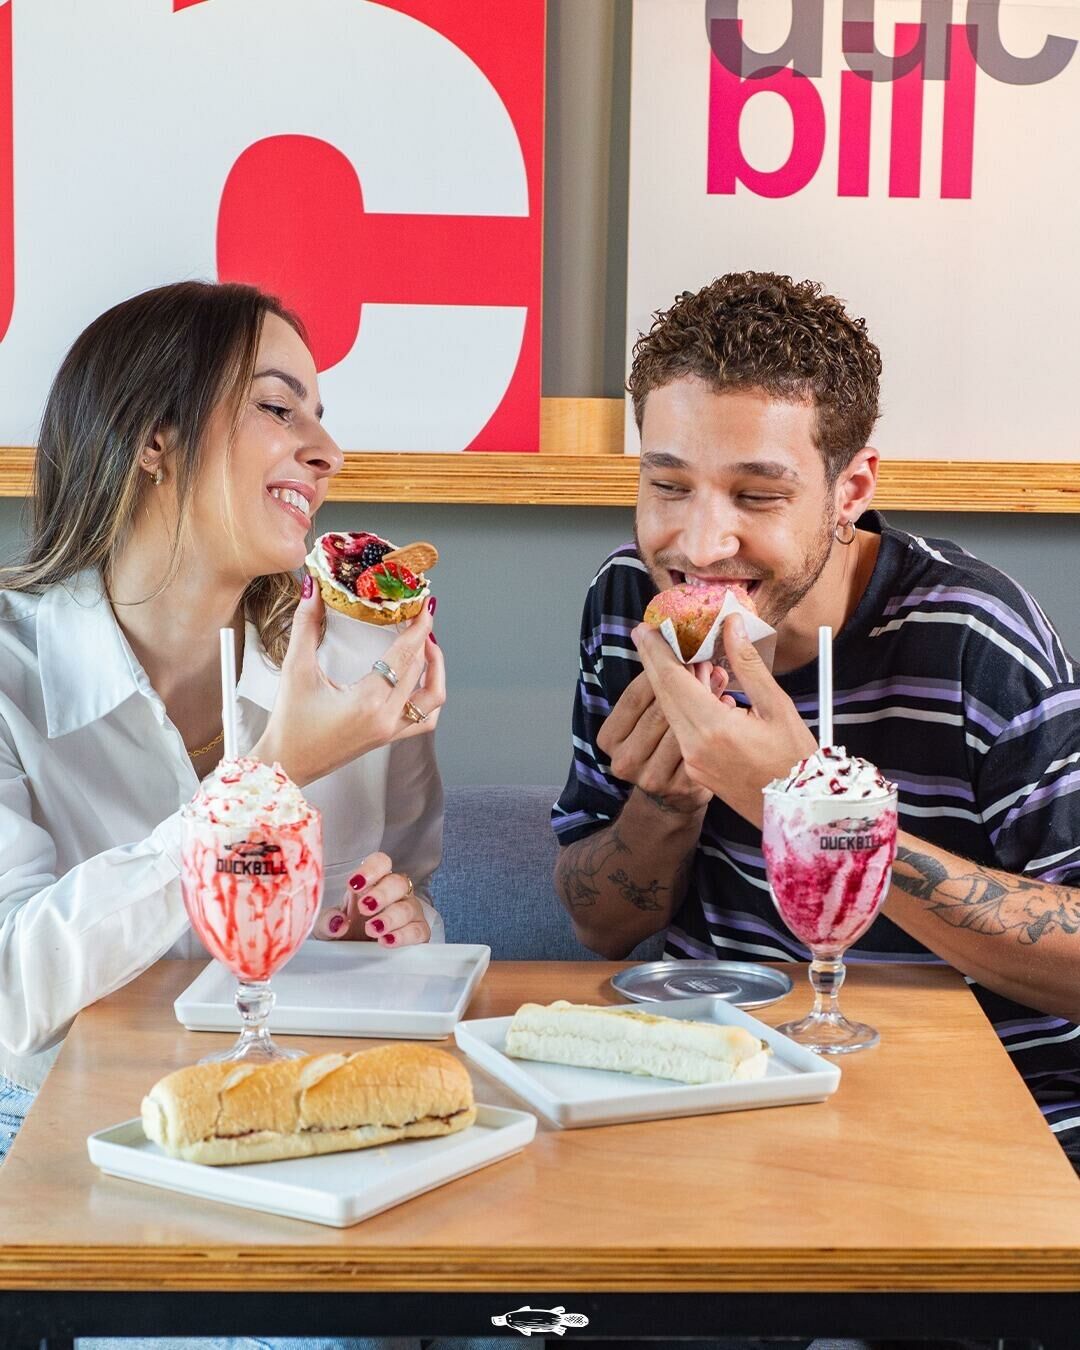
pixel 824 687
pixel 228 690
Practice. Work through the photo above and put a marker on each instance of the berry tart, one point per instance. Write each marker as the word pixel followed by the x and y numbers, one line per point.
pixel 368 578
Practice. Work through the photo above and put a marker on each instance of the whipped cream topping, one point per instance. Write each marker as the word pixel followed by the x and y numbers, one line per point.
pixel 247 792
pixel 832 772
pixel 319 566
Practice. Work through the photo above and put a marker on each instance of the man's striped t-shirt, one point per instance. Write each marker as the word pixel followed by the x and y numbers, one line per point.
pixel 951 679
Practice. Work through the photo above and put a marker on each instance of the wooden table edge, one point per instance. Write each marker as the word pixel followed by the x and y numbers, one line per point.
pixel 430 1270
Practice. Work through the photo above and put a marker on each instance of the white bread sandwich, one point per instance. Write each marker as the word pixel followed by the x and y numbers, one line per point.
pixel 633 1041
pixel 242 1113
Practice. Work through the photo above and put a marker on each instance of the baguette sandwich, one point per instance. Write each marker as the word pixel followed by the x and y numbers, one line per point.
pixel 242 1113
pixel 631 1041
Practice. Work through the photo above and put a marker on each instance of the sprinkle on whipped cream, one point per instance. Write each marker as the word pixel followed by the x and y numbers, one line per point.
pixel 247 792
pixel 832 772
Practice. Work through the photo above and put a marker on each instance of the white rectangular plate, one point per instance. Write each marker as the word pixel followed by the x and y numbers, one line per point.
pixel 337 1189
pixel 351 989
pixel 571 1097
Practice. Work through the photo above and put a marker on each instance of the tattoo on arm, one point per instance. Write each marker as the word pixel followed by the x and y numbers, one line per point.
pixel 641 897
pixel 984 903
pixel 579 866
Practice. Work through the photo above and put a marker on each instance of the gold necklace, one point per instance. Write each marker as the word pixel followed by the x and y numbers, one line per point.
pixel 202 750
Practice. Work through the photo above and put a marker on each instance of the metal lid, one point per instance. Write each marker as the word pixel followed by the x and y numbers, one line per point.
pixel 741 983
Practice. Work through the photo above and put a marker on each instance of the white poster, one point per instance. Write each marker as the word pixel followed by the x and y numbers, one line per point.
pixel 919 158
pixel 377 165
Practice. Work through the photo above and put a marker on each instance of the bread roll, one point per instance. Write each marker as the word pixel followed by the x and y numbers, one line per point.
pixel 633 1041
pixel 241 1113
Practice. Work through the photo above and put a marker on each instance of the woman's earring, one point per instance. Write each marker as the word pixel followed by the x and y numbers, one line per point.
pixel 158 476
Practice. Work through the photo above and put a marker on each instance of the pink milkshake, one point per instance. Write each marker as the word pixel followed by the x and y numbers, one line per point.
pixel 251 878
pixel 829 839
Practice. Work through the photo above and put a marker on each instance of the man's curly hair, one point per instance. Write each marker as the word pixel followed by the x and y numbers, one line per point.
pixel 757 330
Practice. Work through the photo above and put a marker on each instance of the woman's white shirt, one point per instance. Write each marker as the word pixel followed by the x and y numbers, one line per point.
pixel 92 776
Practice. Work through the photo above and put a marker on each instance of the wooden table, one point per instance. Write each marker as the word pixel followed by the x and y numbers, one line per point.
pixel 925 1197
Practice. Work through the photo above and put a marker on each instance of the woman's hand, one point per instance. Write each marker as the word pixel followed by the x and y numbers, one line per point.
pixel 378 905
pixel 317 726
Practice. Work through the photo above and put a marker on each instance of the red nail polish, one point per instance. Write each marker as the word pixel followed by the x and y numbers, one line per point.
pixel 357 881
pixel 378 925
pixel 370 903
pixel 307 587
pixel 389 939
pixel 434 639
pixel 431 605
pixel 337 923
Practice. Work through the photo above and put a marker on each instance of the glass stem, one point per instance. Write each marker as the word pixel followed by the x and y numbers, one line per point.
pixel 826 977
pixel 254 1002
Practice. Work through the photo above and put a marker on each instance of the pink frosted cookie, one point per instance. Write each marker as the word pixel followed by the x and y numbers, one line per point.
pixel 693 610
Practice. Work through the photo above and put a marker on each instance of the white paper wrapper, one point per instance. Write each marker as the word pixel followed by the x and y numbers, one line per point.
pixel 712 649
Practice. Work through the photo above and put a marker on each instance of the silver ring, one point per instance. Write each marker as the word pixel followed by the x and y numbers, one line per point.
pixel 388 673
pixel 413 713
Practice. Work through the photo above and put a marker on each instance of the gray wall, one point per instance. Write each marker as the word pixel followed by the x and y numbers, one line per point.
pixel 512 667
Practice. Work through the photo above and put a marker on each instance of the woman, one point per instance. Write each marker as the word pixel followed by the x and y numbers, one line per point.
pixel 180 461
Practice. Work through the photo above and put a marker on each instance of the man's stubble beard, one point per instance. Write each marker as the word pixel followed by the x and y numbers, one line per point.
pixel 778 597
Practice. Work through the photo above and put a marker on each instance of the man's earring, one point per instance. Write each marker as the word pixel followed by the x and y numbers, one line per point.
pixel 840 538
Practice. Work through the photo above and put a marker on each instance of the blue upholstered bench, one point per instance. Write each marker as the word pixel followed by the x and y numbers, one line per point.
pixel 495 882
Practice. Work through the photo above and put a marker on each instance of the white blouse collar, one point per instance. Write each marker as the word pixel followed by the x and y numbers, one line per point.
pixel 87 667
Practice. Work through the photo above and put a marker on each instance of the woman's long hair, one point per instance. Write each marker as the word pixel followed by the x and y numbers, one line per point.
pixel 161 360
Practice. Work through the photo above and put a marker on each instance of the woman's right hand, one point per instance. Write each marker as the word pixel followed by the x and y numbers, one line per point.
pixel 316 726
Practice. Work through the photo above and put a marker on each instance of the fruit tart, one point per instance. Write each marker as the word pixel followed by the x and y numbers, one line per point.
pixel 369 579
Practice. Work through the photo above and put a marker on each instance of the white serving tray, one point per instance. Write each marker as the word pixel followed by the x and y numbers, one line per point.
pixel 337 1189
pixel 351 989
pixel 571 1097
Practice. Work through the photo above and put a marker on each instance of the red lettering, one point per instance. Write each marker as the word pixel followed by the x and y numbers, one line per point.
pixel 728 95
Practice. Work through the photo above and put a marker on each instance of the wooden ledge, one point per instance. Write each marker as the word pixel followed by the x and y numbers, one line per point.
pixel 581 464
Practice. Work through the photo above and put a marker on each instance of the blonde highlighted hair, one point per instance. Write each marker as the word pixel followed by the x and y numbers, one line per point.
pixel 162 360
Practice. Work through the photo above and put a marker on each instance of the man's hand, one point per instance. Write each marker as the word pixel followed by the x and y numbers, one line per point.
pixel 730 751
pixel 643 750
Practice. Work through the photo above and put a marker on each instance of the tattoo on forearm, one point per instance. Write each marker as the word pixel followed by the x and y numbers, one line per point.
pixel 641 897
pixel 658 800
pixel 974 899
pixel 579 866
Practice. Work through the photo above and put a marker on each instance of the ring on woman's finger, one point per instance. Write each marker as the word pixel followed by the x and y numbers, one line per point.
pixel 388 673
pixel 408 886
pixel 413 713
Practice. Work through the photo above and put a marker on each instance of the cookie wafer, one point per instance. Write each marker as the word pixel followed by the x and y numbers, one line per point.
pixel 418 557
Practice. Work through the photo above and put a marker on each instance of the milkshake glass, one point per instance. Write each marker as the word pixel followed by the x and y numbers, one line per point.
pixel 829 839
pixel 251 878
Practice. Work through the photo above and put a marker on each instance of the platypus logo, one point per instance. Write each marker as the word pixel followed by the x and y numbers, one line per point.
pixel 545 1321
pixel 253 858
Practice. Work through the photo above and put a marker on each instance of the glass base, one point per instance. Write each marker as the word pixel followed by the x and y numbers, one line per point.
pixel 253 1048
pixel 830 1034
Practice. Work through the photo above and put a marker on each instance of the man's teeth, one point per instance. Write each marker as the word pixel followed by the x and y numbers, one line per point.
pixel 716 581
pixel 296 499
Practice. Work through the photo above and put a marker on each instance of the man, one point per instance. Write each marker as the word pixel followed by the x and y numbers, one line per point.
pixel 755 400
